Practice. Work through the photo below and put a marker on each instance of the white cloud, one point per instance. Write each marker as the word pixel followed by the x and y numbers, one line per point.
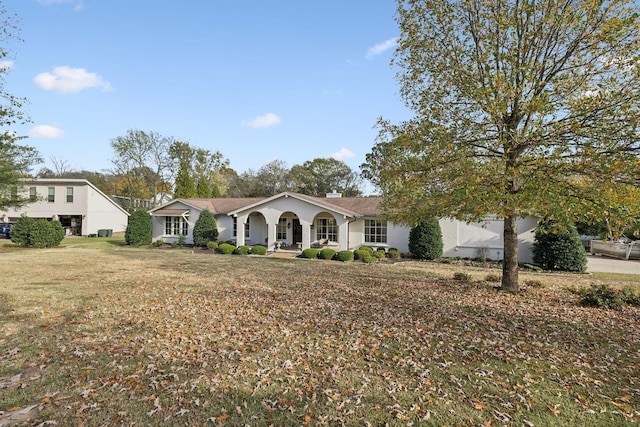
pixel 265 121
pixel 382 47
pixel 45 131
pixel 6 65
pixel 65 79
pixel 344 153
pixel 77 4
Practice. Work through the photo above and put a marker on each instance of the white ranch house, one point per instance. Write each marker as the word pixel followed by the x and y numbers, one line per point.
pixel 292 219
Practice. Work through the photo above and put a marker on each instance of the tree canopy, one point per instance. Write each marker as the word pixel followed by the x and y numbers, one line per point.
pixel 521 108
pixel 16 160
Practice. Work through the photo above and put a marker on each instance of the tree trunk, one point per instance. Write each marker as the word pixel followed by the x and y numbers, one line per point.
pixel 510 264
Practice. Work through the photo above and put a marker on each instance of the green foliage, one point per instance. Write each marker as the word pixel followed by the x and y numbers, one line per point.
pixel 157 243
pixel 344 255
pixel 425 240
pixel 327 253
pixel 38 233
pixel 379 254
pixel 557 248
pixel 368 259
pixel 185 187
pixel 601 296
pixel 360 253
pixel 492 278
pixel 205 230
pixel 309 253
pixel 139 229
pixel 242 250
pixel 320 176
pixel 211 245
pixel 226 248
pixel 258 250
pixel 182 241
pixel 393 253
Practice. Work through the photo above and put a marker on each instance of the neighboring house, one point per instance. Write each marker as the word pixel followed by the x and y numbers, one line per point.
pixel 293 219
pixel 79 205
pixel 138 203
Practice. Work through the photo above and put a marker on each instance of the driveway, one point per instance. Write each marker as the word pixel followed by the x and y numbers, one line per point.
pixel 604 264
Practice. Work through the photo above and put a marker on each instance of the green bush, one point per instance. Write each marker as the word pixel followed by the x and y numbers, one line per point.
pixel 139 230
pixel 380 254
pixel 258 250
pixel 205 230
pixel 601 296
pixel 326 253
pixel 425 240
pixel 362 252
pixel 368 259
pixel 39 233
pixel 462 277
pixel 211 245
pixel 157 243
pixel 226 248
pixel 393 253
pixel 309 253
pixel 556 248
pixel 242 250
pixel 344 256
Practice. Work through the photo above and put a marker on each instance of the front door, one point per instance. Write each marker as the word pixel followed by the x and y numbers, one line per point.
pixel 297 232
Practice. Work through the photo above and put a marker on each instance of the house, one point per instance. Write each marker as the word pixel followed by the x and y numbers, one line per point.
pixel 293 219
pixel 79 205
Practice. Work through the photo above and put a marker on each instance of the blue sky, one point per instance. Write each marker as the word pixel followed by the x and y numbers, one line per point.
pixel 256 80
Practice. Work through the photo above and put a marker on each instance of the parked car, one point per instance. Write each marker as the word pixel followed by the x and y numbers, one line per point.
pixel 5 229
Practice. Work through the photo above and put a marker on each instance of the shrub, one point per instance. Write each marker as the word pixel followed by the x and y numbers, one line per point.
pixel 534 283
pixel 242 250
pixel 309 253
pixel 39 233
pixel 492 278
pixel 425 240
pixel 226 248
pixel 630 296
pixel 555 248
pixel 369 259
pixel 138 230
pixel 211 245
pixel 258 250
pixel 601 296
pixel 362 252
pixel 393 253
pixel 379 254
pixel 462 277
pixel 205 230
pixel 326 253
pixel 344 256
pixel 157 243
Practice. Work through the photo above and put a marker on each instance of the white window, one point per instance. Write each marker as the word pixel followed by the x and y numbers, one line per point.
pixel 51 195
pixel 33 194
pixel 281 229
pixel 375 231
pixel 175 226
pixel 69 194
pixel 326 228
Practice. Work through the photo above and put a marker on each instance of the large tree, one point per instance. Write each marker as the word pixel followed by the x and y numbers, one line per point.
pixel 16 160
pixel 320 176
pixel 205 167
pixel 522 107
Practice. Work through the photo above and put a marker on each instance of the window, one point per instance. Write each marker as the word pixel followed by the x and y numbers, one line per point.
pixel 375 231
pixel 175 226
pixel 69 194
pixel 51 195
pixel 281 229
pixel 33 194
pixel 326 228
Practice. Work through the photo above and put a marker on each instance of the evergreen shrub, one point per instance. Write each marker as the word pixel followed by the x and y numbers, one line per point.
pixel 326 253
pixel 309 253
pixel 39 233
pixel 226 248
pixel 556 248
pixel 242 250
pixel 425 240
pixel 394 253
pixel 258 250
pixel 138 230
pixel 205 230
pixel 344 256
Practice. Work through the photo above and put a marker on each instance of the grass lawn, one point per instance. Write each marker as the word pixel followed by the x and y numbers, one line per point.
pixel 94 333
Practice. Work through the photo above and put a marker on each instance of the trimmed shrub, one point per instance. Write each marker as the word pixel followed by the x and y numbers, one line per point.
pixel 211 245
pixel 380 254
pixel 425 240
pixel 39 233
pixel 258 250
pixel 326 253
pixel 362 252
pixel 205 230
pixel 309 253
pixel 344 256
pixel 226 248
pixel 394 253
pixel 368 259
pixel 555 248
pixel 242 250
pixel 139 230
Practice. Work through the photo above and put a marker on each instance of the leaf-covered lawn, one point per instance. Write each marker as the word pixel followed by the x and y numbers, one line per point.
pixel 129 337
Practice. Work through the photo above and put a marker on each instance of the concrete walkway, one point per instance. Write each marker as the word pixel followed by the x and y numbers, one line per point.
pixel 605 264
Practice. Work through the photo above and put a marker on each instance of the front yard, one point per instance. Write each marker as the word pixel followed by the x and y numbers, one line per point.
pixel 116 336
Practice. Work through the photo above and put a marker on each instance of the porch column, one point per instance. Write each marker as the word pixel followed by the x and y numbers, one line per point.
pixel 271 237
pixel 343 236
pixel 306 234
pixel 240 221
